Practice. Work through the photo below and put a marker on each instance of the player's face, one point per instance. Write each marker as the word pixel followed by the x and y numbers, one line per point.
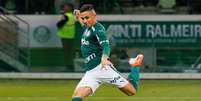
pixel 88 18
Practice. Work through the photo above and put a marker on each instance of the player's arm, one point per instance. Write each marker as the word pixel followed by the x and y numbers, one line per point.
pixel 77 16
pixel 106 47
pixel 63 19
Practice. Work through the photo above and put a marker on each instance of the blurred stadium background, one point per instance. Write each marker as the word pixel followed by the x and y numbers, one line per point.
pixel 167 32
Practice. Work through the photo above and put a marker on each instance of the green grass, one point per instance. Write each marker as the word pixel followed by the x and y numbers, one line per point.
pixel 61 90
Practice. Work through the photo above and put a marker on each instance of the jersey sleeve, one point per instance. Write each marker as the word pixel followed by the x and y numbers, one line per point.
pixel 101 36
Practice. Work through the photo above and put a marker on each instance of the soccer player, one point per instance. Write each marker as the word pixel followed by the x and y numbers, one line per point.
pixel 96 50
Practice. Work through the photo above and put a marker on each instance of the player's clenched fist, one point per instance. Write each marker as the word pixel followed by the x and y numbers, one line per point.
pixel 76 13
pixel 105 61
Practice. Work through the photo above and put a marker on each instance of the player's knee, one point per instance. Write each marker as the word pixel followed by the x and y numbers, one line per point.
pixel 129 90
pixel 78 95
pixel 83 92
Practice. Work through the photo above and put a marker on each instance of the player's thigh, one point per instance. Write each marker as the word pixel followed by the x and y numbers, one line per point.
pixel 128 89
pixel 83 92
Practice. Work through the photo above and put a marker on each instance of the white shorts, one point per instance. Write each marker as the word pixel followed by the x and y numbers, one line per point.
pixel 95 77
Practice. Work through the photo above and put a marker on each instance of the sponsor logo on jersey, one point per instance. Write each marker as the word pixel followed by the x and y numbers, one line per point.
pixel 90 57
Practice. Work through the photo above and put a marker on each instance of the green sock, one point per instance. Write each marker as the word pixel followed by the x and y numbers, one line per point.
pixel 76 99
pixel 134 76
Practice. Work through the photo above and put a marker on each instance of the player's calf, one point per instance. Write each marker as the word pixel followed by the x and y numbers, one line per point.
pixel 128 89
pixel 81 93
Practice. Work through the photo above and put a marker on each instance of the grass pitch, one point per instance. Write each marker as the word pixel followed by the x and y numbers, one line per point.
pixel 61 90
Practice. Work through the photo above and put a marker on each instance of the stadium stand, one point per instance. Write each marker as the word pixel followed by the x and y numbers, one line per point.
pixel 112 9
pixel 14 51
pixel 194 6
pixel 102 6
pixel 167 6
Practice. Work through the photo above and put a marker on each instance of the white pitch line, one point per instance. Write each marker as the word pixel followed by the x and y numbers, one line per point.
pixel 110 98
pixel 165 98
pixel 27 98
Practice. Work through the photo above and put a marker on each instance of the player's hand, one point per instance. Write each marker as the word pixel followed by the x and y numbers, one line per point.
pixel 76 13
pixel 77 16
pixel 105 61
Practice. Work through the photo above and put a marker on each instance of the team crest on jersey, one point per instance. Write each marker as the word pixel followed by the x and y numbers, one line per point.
pixel 84 42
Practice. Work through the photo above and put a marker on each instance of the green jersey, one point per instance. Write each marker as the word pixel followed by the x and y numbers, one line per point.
pixel 93 45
